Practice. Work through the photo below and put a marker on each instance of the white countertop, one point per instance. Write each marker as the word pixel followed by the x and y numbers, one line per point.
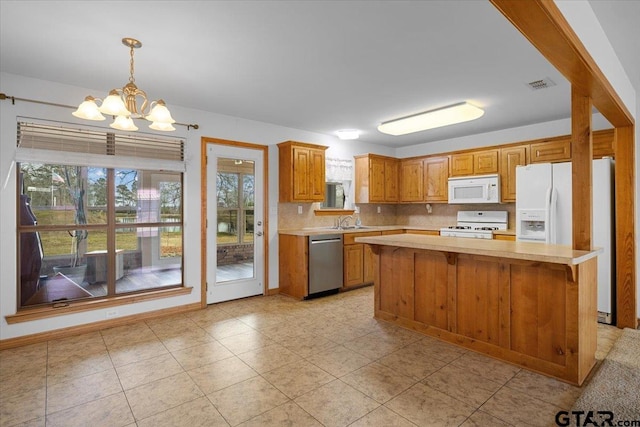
pixel 557 254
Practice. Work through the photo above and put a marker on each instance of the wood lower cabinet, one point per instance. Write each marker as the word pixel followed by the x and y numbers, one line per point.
pixel 510 158
pixel 436 179
pixel 293 265
pixel 424 232
pixel 507 237
pixel 353 264
pixel 376 179
pixel 302 172
pixel 358 260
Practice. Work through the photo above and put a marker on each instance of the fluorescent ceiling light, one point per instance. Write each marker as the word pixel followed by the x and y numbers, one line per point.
pixel 452 114
pixel 348 133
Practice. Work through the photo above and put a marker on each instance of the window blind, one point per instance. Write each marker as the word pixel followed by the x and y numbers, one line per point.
pixel 65 145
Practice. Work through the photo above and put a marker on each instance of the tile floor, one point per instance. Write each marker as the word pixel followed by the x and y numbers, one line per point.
pixel 272 361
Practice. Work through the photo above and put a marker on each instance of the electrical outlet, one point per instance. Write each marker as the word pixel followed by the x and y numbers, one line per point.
pixel 111 313
pixel 299 209
pixel 379 209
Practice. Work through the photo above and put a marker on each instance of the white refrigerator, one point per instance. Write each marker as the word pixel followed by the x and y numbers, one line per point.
pixel 544 214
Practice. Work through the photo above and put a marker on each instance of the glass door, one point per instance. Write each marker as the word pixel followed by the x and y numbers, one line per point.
pixel 235 249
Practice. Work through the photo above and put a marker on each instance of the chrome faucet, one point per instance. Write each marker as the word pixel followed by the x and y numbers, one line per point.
pixel 342 220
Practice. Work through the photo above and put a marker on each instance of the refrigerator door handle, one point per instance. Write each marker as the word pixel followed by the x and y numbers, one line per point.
pixel 550 229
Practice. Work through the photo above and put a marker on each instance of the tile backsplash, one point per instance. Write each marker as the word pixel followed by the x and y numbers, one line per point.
pixel 288 217
pixel 443 214
pixel 416 215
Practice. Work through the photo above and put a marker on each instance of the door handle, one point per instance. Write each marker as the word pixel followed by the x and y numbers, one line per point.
pixel 259 233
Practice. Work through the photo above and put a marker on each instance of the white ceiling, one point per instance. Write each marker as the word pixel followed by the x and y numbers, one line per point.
pixel 312 65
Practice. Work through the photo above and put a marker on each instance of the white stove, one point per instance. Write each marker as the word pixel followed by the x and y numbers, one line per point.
pixel 477 224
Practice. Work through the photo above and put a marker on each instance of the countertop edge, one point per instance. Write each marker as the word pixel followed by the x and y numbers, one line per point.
pixel 540 252
pixel 328 230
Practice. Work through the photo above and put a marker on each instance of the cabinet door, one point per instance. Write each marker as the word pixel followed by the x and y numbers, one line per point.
pixel 462 164
pixel 376 179
pixel 436 175
pixel 391 167
pixel 368 265
pixel 485 162
pixel 509 159
pixel 603 144
pixel 411 181
pixel 301 173
pixel 317 175
pixel 551 151
pixel 353 264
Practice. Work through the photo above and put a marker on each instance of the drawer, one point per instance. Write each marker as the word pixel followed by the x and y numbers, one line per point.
pixel 349 238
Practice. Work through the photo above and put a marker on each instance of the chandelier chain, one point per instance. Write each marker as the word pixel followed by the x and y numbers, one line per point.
pixel 131 78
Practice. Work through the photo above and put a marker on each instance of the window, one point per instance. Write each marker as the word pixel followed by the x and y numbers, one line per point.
pixel 235 197
pixel 88 231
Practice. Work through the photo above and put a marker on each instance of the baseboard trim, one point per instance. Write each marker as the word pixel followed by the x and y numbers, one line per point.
pixel 94 326
pixel 274 291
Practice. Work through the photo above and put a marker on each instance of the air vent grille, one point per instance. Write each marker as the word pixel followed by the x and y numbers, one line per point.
pixel 541 84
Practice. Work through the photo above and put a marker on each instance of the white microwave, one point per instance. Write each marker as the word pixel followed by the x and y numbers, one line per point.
pixel 475 189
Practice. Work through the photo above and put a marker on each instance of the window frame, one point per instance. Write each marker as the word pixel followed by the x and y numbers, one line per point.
pixel 24 155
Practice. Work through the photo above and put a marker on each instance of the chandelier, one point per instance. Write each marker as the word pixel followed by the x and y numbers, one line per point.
pixel 122 104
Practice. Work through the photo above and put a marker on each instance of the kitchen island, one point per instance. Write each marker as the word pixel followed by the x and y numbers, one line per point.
pixel 530 304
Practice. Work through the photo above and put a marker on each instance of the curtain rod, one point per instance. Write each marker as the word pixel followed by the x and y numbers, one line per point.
pixel 4 96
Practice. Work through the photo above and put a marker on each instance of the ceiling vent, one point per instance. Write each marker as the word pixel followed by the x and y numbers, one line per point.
pixel 541 84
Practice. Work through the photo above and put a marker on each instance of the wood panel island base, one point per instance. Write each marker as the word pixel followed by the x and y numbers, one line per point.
pixel 530 304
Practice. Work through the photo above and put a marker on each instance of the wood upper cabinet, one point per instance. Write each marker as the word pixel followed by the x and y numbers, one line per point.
pixel 302 172
pixel 485 162
pixel 411 180
pixel 462 164
pixel 603 143
pixel 474 163
pixel 511 157
pixel 436 177
pixel 376 179
pixel 554 150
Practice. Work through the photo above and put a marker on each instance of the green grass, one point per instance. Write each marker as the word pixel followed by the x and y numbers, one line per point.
pixel 55 243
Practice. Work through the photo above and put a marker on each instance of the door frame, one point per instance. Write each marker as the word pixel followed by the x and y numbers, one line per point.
pixel 205 141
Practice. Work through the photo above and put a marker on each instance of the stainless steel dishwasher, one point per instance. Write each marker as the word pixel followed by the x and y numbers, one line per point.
pixel 325 264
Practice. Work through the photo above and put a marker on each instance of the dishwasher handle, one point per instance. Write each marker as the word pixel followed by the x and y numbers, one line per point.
pixel 317 242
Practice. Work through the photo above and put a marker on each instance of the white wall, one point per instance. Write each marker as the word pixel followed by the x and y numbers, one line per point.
pixel 211 125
